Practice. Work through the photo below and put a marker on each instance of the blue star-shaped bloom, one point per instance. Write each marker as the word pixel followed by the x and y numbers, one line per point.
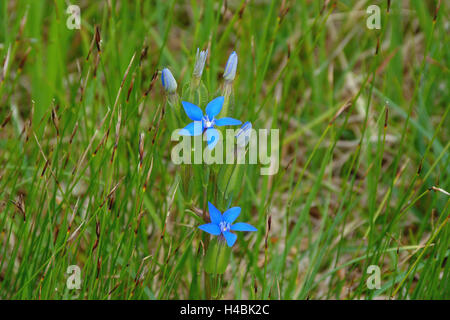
pixel 206 123
pixel 222 224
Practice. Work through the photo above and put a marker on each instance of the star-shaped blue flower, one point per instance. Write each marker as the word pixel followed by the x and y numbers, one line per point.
pixel 221 225
pixel 206 123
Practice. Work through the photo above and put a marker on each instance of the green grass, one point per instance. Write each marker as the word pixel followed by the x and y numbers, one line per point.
pixel 364 150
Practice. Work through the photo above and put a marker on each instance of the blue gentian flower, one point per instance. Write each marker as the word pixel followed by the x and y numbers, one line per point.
pixel 230 68
pixel 206 123
pixel 221 225
pixel 168 81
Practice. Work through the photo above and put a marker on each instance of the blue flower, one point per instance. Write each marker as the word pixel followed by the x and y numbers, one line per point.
pixel 230 68
pixel 221 225
pixel 168 81
pixel 206 123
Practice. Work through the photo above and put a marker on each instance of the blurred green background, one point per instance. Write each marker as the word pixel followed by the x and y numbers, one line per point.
pixel 364 163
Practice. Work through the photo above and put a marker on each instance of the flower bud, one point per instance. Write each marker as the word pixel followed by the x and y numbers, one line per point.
pixel 200 60
pixel 243 135
pixel 230 68
pixel 168 81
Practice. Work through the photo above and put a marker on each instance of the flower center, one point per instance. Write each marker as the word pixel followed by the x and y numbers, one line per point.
pixel 224 226
pixel 208 122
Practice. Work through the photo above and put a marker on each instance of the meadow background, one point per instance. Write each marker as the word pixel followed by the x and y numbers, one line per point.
pixel 86 177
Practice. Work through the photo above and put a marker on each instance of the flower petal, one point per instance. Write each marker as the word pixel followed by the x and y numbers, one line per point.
pixel 231 214
pixel 230 237
pixel 192 129
pixel 214 214
pixel 242 226
pixel 213 107
pixel 210 228
pixel 227 122
pixel 192 111
pixel 212 137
